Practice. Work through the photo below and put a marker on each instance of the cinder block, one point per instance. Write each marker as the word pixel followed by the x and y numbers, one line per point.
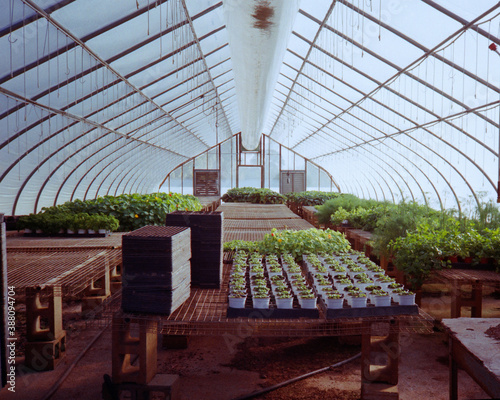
pixel 45 355
pixel 50 311
pixel 99 287
pixel 115 279
pixel 134 358
pixel 165 385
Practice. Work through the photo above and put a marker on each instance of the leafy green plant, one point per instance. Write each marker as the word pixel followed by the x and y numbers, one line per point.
pixel 235 245
pixel 310 198
pixel 401 220
pixel 253 195
pixel 348 202
pixel 302 242
pixel 131 210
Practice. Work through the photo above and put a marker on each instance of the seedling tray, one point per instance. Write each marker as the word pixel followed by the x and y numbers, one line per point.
pixel 272 313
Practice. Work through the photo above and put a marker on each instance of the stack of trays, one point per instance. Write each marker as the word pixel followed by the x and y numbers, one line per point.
pixel 156 269
pixel 206 244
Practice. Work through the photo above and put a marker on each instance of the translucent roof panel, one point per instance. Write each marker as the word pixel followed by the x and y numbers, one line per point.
pixel 99 100
pixel 418 107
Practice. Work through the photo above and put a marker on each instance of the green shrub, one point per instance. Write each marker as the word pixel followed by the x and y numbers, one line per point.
pixel 348 202
pixel 253 195
pixel 296 243
pixel 131 210
pixel 311 197
pixel 52 222
pixel 398 221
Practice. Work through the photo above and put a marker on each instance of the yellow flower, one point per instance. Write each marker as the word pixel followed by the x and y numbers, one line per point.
pixel 136 216
pixel 279 240
pixel 329 236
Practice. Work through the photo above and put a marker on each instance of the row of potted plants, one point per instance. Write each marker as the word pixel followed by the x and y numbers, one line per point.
pixel 131 210
pixel 355 278
pixel 253 195
pixel 418 238
pixel 265 278
pixel 67 223
pixel 294 242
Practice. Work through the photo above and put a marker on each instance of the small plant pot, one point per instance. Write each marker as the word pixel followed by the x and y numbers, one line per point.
pixel 237 302
pixel 339 287
pixel 334 303
pixel 260 302
pixel 307 303
pixel 358 302
pixel 284 303
pixel 384 285
pixel 382 301
pixel 406 300
pixel 362 286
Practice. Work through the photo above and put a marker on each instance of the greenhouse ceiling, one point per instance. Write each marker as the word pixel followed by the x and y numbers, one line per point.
pixel 394 98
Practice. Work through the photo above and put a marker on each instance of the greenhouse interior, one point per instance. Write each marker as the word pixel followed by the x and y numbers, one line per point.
pixel 236 199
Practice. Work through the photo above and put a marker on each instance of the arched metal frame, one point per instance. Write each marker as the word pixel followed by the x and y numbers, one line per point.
pixel 139 124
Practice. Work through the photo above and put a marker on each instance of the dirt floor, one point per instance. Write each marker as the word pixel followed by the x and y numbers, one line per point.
pixel 211 368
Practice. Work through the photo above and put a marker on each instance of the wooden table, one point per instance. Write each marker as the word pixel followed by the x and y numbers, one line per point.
pixel 475 352
pixel 474 277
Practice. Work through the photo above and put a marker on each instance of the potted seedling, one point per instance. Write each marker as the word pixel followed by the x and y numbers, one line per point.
pixel 261 299
pixel 334 300
pixel 256 270
pixel 385 281
pixel 392 288
pixel 358 299
pixel 381 298
pixel 237 299
pixel 307 299
pixel 406 298
pixel 284 300
pixel 370 289
pixel 341 284
pixel 274 270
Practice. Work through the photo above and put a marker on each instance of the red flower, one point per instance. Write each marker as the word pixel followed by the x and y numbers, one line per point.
pixel 272 234
pixel 493 47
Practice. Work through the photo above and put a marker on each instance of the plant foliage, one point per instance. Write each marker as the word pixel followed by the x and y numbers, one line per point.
pixel 131 210
pixel 296 243
pixel 253 195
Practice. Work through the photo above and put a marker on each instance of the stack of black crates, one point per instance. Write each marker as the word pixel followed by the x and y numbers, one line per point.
pixel 206 244
pixel 156 269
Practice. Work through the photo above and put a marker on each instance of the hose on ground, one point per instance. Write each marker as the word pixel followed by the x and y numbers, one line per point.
pixel 60 381
pixel 298 378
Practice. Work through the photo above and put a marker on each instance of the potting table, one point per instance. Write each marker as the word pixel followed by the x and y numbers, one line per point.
pixel 475 278
pixel 474 351
pixel 71 263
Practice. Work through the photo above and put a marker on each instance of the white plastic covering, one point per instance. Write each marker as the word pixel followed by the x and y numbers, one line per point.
pixel 395 99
